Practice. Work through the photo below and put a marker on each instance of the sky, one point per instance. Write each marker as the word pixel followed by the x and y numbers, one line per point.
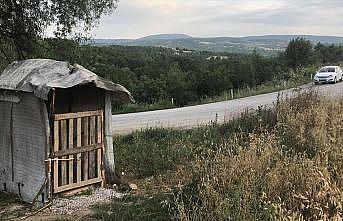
pixel 210 18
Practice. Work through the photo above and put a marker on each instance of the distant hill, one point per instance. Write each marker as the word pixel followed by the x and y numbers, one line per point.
pixel 164 37
pixel 313 38
pixel 267 44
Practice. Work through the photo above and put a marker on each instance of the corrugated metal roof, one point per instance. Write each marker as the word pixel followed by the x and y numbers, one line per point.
pixel 41 75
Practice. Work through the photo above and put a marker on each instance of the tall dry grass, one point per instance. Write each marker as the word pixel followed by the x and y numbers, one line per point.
pixel 292 171
pixel 281 163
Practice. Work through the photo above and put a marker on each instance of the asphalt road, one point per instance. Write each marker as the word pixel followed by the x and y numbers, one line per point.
pixel 192 116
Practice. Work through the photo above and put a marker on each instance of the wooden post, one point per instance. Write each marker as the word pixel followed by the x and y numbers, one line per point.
pixel 56 145
pixel 99 140
pixel 64 145
pixel 85 143
pixel 92 135
pixel 78 144
pixel 53 101
pixel 71 146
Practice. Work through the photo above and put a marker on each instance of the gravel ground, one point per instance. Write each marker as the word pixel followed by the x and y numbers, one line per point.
pixel 69 206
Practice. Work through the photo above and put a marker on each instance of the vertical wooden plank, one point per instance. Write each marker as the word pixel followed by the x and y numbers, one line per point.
pixel 103 149
pixel 64 145
pixel 92 135
pixel 85 143
pixel 71 145
pixel 78 144
pixel 56 145
pixel 99 140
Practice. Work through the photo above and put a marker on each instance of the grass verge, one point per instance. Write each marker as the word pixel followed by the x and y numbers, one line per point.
pixel 134 208
pixel 282 163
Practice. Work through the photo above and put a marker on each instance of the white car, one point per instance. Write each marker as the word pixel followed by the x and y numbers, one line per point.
pixel 328 74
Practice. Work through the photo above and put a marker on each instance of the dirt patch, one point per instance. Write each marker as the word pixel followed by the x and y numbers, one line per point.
pixel 71 208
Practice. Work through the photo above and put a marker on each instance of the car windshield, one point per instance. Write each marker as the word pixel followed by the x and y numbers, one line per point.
pixel 325 70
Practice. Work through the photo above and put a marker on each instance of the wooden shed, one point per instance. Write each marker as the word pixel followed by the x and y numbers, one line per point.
pixel 55 128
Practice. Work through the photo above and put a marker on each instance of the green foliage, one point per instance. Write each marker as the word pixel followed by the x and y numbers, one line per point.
pixel 299 52
pixel 23 23
pixel 152 151
pixel 328 54
pixel 272 86
pixel 145 154
pixel 134 108
pixel 177 85
pixel 133 208
pixel 159 74
pixel 156 76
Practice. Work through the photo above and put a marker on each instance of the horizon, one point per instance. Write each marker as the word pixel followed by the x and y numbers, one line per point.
pixel 225 18
pixel 243 36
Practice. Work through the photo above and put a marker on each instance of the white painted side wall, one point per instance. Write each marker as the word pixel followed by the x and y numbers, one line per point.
pixel 5 143
pixel 25 175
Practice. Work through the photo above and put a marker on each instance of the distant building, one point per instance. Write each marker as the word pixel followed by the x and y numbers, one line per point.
pixel 217 57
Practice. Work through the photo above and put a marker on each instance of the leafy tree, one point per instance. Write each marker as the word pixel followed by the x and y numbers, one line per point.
pixel 58 49
pixel 328 54
pixel 298 52
pixel 150 90
pixel 178 86
pixel 23 22
pixel 216 79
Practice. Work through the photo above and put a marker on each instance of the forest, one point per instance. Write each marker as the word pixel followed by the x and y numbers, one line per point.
pixel 156 74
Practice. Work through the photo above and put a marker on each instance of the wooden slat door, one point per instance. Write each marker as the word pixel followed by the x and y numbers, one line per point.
pixel 77 150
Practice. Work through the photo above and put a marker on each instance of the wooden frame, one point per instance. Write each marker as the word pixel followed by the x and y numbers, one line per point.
pixel 77 155
pixel 77 150
pixel 77 115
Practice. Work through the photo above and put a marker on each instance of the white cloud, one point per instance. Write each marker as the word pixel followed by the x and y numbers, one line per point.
pixel 137 18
